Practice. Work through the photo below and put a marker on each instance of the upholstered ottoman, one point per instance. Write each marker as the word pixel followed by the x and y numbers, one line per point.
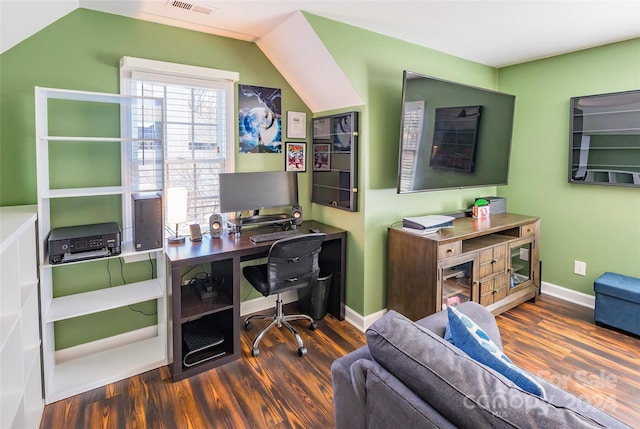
pixel 618 302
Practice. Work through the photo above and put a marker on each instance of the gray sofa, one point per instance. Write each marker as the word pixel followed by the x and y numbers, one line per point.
pixel 408 376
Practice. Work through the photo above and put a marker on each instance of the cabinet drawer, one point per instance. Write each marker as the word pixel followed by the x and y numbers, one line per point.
pixel 449 249
pixel 493 290
pixel 526 230
pixel 493 260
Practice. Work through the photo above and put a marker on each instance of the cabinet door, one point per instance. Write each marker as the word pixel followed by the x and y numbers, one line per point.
pixel 521 266
pixel 457 280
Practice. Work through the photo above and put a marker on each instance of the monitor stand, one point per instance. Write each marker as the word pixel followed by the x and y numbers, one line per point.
pixel 259 220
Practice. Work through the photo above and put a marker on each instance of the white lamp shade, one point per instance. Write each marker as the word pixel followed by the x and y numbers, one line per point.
pixel 176 205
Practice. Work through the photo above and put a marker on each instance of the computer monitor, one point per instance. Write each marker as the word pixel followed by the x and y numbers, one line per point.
pixel 258 190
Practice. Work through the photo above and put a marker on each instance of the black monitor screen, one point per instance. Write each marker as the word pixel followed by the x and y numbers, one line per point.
pixel 257 190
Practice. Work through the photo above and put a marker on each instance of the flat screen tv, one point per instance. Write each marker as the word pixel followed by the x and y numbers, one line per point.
pixel 452 135
pixel 258 190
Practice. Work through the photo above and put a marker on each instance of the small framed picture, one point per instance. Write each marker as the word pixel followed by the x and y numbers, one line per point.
pixel 295 156
pixel 296 125
pixel 321 157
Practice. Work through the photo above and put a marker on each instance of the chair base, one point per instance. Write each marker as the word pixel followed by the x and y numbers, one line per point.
pixel 279 319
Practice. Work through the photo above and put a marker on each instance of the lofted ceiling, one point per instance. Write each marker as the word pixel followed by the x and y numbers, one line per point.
pixel 495 33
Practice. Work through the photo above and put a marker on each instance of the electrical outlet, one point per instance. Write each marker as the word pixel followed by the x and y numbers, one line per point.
pixel 580 268
pixel 524 254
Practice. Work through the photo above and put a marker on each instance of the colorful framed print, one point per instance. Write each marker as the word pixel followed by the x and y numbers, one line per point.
pixel 295 156
pixel 321 157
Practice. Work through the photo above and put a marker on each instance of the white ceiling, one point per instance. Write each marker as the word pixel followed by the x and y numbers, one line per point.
pixel 495 33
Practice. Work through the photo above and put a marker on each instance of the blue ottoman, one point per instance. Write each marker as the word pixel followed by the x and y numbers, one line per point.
pixel 618 302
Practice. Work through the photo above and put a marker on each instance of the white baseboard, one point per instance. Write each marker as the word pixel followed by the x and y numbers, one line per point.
pixel 579 298
pixel 362 322
pixel 583 299
pixel 266 302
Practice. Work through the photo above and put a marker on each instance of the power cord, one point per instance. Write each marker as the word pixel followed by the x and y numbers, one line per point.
pixel 124 281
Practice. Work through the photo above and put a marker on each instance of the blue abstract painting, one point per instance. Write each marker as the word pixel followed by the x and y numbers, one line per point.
pixel 260 119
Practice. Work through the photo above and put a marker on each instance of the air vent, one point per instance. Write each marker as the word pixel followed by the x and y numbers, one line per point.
pixel 189 6
pixel 181 5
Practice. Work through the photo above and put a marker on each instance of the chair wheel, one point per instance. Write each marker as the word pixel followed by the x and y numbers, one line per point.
pixel 302 351
pixel 255 352
pixel 313 326
pixel 248 326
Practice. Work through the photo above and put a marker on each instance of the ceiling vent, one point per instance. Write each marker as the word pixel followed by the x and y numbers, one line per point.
pixel 189 6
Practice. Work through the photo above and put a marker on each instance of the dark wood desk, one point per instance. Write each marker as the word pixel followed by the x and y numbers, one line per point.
pixel 193 316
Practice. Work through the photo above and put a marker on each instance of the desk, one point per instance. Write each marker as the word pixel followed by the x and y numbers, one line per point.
pixel 192 315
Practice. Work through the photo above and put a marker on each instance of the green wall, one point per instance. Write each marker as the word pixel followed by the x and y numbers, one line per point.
pixel 596 224
pixel 82 51
pixel 374 65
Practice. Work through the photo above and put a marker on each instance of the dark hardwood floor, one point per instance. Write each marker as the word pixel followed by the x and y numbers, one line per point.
pixel 552 338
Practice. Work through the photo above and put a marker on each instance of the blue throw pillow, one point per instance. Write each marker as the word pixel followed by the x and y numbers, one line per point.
pixel 472 340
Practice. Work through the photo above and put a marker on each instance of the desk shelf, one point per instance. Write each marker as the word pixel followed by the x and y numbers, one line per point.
pixel 193 307
pixel 190 313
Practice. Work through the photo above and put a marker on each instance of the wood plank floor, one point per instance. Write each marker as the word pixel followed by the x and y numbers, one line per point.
pixel 555 339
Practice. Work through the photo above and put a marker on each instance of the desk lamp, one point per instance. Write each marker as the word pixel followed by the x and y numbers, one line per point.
pixel 176 211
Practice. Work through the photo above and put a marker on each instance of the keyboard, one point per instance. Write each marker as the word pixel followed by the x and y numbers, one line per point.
pixel 273 236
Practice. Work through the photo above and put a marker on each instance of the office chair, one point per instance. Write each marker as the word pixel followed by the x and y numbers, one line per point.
pixel 292 263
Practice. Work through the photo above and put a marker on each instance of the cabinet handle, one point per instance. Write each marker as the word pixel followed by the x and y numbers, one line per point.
pixel 449 250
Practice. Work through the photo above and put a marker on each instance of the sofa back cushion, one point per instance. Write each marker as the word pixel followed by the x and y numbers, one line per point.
pixel 464 391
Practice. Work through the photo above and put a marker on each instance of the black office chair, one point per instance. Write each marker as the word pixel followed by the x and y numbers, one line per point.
pixel 292 263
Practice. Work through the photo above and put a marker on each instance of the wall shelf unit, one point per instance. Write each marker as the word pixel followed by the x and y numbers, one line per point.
pixel 88 125
pixel 604 145
pixel 335 161
pixel 20 363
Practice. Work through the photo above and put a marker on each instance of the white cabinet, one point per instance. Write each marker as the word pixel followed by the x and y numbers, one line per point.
pixel 20 364
pixel 77 134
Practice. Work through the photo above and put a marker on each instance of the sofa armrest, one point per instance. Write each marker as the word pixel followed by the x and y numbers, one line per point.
pixel 348 406
pixel 389 403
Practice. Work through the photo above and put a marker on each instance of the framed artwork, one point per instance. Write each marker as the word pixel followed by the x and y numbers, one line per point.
pixel 322 128
pixel 321 157
pixel 296 125
pixel 295 156
pixel 342 129
pixel 259 119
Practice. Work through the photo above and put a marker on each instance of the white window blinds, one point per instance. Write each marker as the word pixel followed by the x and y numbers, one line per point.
pixel 198 128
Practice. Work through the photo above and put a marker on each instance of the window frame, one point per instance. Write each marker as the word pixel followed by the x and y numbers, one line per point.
pixel 132 69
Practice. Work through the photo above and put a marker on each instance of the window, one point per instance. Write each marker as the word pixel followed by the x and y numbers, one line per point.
pixel 198 130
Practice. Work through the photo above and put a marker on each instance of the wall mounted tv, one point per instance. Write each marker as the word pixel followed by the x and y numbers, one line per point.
pixel 452 135
pixel 604 146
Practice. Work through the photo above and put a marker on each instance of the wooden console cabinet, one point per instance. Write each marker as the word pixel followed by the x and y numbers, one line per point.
pixel 494 261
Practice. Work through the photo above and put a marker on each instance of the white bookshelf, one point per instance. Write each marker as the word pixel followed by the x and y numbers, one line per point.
pixel 73 370
pixel 21 395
